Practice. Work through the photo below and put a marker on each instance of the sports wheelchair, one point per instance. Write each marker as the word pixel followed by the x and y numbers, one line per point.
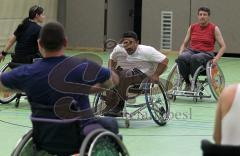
pixel 145 101
pixel 211 76
pixel 97 142
pixel 7 97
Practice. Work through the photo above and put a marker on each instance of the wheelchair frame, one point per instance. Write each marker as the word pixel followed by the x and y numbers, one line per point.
pixel 156 102
pixel 214 79
pixel 94 143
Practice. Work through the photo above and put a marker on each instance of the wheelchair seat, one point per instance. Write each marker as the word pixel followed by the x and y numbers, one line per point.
pixel 210 149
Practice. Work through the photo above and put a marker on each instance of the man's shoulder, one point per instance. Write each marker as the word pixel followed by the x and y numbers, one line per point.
pixel 195 24
pixel 147 48
pixel 118 50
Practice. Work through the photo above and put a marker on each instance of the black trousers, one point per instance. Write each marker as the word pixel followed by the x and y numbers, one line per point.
pixel 190 60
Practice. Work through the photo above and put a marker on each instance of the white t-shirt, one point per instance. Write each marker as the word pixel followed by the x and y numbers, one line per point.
pixel 230 122
pixel 145 58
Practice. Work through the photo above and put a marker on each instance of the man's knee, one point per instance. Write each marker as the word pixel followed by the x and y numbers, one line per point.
pixel 109 123
pixel 198 60
pixel 183 58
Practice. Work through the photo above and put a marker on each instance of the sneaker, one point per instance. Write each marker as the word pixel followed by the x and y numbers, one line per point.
pixel 187 87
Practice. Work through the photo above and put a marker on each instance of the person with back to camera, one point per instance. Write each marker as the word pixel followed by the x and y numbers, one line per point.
pixel 26 36
pixel 133 62
pixel 227 127
pixel 201 39
pixel 45 88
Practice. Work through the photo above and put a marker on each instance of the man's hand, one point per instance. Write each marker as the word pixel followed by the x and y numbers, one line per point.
pixel 214 61
pixel 154 78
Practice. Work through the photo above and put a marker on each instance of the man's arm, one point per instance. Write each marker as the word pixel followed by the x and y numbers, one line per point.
pixel 159 70
pixel 112 64
pixel 5 89
pixel 220 40
pixel 224 104
pixel 110 83
pixel 185 41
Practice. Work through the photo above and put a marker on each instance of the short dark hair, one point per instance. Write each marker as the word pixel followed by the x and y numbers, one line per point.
pixel 52 36
pixel 130 34
pixel 205 9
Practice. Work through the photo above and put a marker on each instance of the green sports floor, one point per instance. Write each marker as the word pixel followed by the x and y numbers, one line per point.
pixel 181 136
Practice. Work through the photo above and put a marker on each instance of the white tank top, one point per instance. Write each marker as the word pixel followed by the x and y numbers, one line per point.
pixel 231 122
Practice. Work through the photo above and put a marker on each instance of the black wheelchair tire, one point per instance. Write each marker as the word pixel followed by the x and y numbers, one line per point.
pixel 163 120
pixel 22 143
pixel 115 142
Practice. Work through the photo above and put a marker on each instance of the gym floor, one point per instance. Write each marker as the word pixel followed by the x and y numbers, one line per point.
pixel 190 122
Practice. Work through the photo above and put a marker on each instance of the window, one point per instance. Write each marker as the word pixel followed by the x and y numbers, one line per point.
pixel 166 30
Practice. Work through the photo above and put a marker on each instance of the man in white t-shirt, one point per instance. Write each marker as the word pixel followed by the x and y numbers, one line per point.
pixel 129 56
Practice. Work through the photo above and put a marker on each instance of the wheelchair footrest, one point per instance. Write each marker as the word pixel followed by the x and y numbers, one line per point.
pixel 189 94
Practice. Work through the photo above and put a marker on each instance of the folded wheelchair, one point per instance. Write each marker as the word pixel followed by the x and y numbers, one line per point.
pixel 210 75
pixel 145 101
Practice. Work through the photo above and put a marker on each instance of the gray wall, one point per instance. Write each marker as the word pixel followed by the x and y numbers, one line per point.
pixel 85 23
pixel 119 17
pixel 151 21
pixel 224 13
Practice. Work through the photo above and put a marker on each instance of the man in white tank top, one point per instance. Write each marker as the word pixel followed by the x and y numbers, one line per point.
pixel 131 55
pixel 227 122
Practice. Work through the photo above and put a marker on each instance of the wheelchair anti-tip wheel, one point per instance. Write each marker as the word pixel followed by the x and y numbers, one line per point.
pixel 216 79
pixel 6 96
pixel 157 102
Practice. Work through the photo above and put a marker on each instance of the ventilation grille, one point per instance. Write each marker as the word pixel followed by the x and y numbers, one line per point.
pixel 166 30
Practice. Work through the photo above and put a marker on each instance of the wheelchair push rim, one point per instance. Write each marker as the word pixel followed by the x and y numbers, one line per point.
pixel 100 142
pixel 107 143
pixel 216 79
pixel 6 96
pixel 157 103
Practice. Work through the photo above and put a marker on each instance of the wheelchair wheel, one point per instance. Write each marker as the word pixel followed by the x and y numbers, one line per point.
pixel 102 142
pixel 157 102
pixel 110 44
pixel 25 147
pixel 5 96
pixel 174 82
pixel 99 105
pixel 23 144
pixel 216 79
